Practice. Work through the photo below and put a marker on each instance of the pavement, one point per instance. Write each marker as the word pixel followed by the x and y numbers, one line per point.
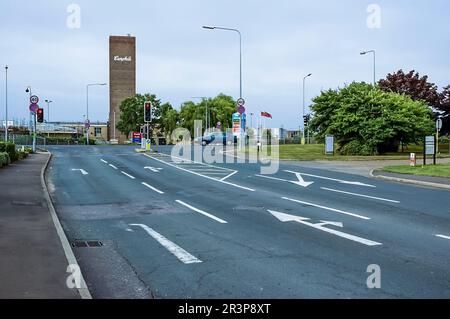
pixel 33 263
pixel 163 227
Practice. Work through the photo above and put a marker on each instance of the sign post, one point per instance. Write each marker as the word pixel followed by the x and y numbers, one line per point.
pixel 329 145
pixel 438 129
pixel 429 149
pixel 34 100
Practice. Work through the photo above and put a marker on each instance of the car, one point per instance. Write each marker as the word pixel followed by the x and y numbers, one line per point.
pixel 217 138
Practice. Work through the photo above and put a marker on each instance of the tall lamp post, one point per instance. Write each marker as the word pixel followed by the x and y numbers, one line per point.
pixel 374 65
pixel 6 105
pixel 207 120
pixel 48 109
pixel 240 51
pixel 304 104
pixel 87 108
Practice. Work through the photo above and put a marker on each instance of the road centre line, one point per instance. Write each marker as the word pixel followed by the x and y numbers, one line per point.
pixel 204 176
pixel 152 188
pixel 326 208
pixel 201 212
pixel 126 174
pixel 173 248
pixel 104 161
pixel 113 166
pixel 443 236
pixel 360 195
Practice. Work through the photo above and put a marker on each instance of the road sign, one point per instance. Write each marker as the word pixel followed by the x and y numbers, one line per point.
pixel 236 120
pixel 241 110
pixel 430 145
pixel 87 124
pixel 439 124
pixel 34 99
pixel 219 125
pixel 137 136
pixel 33 107
pixel 240 102
pixel 329 144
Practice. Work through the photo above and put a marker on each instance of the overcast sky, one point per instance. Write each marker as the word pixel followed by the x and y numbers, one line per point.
pixel 283 40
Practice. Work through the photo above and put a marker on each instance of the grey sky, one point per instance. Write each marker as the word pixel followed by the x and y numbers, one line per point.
pixel 177 59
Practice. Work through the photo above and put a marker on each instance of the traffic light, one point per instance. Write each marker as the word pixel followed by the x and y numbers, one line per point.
pixel 147 112
pixel 306 119
pixel 40 115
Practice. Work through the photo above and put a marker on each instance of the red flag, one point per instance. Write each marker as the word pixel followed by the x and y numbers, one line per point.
pixel 265 114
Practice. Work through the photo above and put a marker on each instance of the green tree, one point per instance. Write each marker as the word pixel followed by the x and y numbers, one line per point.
pixel 367 121
pixel 132 113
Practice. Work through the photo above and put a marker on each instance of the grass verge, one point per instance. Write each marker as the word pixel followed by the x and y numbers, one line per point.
pixel 442 170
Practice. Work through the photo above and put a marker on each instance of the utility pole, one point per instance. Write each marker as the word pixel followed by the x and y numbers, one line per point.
pixel 6 104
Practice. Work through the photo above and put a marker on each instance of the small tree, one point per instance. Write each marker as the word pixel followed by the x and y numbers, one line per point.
pixel 368 121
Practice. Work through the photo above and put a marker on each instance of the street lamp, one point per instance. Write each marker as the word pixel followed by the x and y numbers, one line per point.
pixel 240 51
pixel 304 104
pixel 87 107
pixel 207 122
pixel 48 110
pixel 374 65
pixel 6 105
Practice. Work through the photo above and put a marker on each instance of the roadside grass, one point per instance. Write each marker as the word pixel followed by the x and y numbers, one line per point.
pixel 314 152
pixel 442 170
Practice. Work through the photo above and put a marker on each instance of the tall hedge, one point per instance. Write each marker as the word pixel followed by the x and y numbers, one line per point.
pixel 9 148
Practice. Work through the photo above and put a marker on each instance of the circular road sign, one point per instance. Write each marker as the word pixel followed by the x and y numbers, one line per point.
pixel 241 110
pixel 33 108
pixel 439 124
pixel 241 102
pixel 87 124
pixel 34 99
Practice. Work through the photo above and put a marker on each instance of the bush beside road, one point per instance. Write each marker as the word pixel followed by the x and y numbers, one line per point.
pixel 9 153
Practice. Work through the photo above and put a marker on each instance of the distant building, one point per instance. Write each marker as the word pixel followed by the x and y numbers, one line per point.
pixel 98 131
pixel 122 79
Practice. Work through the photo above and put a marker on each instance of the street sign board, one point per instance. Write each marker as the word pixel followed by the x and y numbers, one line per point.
pixel 87 124
pixel 430 145
pixel 33 107
pixel 219 125
pixel 236 127
pixel 240 102
pixel 439 124
pixel 34 99
pixel 137 136
pixel 241 110
pixel 329 144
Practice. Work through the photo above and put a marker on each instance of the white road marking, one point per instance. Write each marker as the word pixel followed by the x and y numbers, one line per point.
pixel 176 250
pixel 201 212
pixel 126 174
pixel 443 236
pixel 104 161
pixel 81 170
pixel 333 179
pixel 326 208
pixel 195 173
pixel 152 188
pixel 288 218
pixel 360 195
pixel 228 176
pixel 113 166
pixel 300 181
pixel 153 169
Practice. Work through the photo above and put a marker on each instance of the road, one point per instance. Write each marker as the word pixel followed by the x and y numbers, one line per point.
pixel 172 229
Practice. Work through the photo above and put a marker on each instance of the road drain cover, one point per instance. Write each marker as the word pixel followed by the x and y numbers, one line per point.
pixel 87 243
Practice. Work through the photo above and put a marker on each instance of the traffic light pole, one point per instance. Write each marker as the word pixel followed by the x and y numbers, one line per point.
pixel 34 132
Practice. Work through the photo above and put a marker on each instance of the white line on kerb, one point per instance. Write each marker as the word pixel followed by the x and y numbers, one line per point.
pixel 201 212
pixel 104 161
pixel 176 250
pixel 152 188
pixel 326 208
pixel 195 173
pixel 360 195
pixel 442 236
pixel 113 166
pixel 126 174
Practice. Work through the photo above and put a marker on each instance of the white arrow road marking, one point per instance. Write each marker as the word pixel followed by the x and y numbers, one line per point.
pixel 360 195
pixel 81 170
pixel 326 208
pixel 126 174
pixel 153 169
pixel 113 166
pixel 333 179
pixel 302 220
pixel 442 236
pixel 217 219
pixel 176 250
pixel 300 181
pixel 153 188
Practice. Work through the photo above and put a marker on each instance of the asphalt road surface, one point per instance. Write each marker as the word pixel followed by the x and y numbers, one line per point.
pixel 181 229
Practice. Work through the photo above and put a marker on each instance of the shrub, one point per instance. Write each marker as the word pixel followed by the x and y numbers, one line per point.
pixel 21 154
pixel 4 159
pixel 9 148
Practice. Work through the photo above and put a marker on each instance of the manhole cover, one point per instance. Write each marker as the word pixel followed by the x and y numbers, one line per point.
pixel 87 243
